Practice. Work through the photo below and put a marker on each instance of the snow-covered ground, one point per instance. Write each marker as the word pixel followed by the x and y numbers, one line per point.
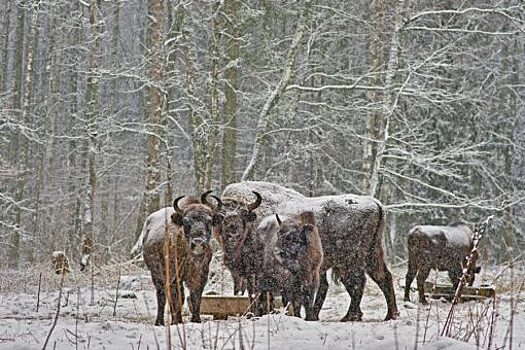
pixel 95 327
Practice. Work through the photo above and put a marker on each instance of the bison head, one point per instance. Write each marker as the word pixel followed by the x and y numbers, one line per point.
pixel 293 236
pixel 197 221
pixel 235 223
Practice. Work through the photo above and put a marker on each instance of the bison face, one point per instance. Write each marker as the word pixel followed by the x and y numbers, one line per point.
pixel 233 231
pixel 197 230
pixel 292 244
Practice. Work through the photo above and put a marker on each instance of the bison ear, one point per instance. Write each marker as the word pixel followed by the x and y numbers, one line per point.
pixel 176 218
pixel 249 216
pixel 216 219
pixel 477 269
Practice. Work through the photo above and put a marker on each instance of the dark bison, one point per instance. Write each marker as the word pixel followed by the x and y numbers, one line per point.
pixel 238 243
pixel 293 255
pixel 351 229
pixel 186 254
pixel 443 248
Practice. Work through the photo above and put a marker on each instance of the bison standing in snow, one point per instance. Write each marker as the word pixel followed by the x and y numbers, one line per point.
pixel 292 260
pixel 236 235
pixel 178 240
pixel 351 229
pixel 443 248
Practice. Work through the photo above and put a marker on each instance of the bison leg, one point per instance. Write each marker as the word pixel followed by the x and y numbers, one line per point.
pixel 177 300
pixel 196 297
pixel 286 298
pixel 308 302
pixel 355 285
pixel 239 285
pixel 296 302
pixel 265 303
pixel 252 292
pixel 320 297
pixel 409 278
pixel 161 304
pixel 383 278
pixel 455 276
pixel 422 275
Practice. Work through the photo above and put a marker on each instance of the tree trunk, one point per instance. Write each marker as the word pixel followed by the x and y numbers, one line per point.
pixel 24 79
pixel 91 118
pixel 231 77
pixel 6 23
pixel 279 90
pixel 211 143
pixel 151 199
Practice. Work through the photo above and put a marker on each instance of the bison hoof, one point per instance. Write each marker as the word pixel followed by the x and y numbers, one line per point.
pixel 311 318
pixel 176 320
pixel 158 323
pixel 392 316
pixel 352 317
pixel 196 319
pixel 406 299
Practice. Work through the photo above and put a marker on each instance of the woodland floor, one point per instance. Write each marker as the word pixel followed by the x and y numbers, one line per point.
pixel 85 325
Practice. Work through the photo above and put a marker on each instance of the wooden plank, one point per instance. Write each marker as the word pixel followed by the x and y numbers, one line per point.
pixel 469 292
pixel 222 306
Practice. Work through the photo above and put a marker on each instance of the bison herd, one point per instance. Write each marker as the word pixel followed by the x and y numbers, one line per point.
pixel 277 241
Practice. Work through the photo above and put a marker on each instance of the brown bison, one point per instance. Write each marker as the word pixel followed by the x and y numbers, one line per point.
pixel 443 248
pixel 292 260
pixel 238 243
pixel 351 229
pixel 188 228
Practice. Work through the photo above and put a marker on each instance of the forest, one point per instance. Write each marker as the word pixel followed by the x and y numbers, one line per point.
pixel 110 109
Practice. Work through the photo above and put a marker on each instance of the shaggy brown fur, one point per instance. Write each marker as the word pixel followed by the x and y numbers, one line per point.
pixel 351 229
pixel 187 254
pixel 241 250
pixel 293 255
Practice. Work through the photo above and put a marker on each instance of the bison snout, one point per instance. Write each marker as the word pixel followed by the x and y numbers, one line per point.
pixel 197 245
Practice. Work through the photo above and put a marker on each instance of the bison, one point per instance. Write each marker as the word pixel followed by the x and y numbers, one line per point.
pixel 292 260
pixel 238 243
pixel 351 229
pixel 185 257
pixel 443 248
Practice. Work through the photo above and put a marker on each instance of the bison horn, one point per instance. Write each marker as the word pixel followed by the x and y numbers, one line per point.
pixel 278 219
pixel 176 205
pixel 219 204
pixel 257 202
pixel 204 199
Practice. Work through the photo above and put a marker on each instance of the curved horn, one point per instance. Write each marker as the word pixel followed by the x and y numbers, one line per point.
pixel 257 202
pixel 278 219
pixel 219 204
pixel 204 199
pixel 176 205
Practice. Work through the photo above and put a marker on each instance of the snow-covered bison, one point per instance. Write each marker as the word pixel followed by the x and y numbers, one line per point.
pixel 292 260
pixel 187 254
pixel 443 248
pixel 351 228
pixel 237 240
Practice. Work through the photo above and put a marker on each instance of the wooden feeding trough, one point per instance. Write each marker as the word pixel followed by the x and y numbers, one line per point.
pixel 436 291
pixel 222 306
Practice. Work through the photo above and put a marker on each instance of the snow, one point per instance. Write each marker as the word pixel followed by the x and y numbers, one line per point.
pixel 22 327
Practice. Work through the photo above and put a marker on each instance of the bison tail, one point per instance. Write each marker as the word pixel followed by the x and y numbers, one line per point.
pixel 376 251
